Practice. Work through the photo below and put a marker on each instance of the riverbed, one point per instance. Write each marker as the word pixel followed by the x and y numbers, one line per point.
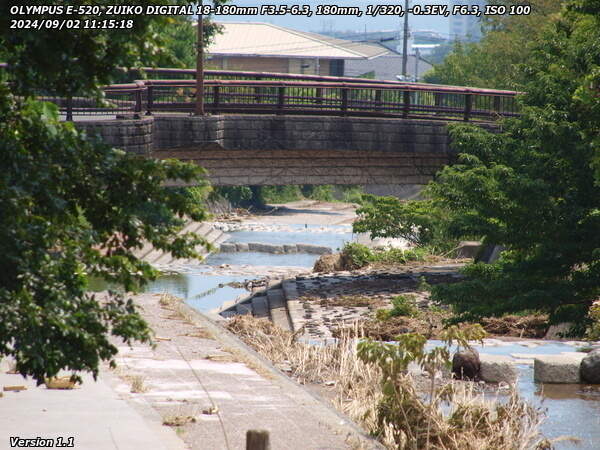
pixel 572 410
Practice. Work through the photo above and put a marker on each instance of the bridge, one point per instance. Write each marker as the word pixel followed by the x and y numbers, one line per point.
pixel 278 129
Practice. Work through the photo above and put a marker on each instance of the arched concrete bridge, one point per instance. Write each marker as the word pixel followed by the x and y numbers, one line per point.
pixel 266 131
pixel 280 149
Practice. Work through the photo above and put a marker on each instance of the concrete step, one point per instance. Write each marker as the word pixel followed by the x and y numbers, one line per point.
pixel 142 252
pixel 277 308
pixel 190 227
pixel 213 235
pixel 201 228
pixel 260 306
pixel 154 256
pixel 243 308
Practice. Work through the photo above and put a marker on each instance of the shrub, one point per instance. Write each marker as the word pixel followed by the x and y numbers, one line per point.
pixel 593 331
pixel 399 255
pixel 356 255
pixel 322 193
pixel 279 194
pixel 402 305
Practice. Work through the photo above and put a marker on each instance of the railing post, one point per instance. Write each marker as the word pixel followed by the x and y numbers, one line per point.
pixel 257 440
pixel 138 100
pixel 280 99
pixel 69 109
pixel 437 101
pixel 216 99
pixel 497 103
pixel 344 101
pixel 378 105
pixel 406 100
pixel 149 100
pixel 319 95
pixel 468 106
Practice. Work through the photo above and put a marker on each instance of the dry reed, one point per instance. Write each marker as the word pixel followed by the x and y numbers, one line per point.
pixel 469 421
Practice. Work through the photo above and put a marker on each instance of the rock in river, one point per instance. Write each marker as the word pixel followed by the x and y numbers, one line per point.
pixel 590 367
pixel 466 365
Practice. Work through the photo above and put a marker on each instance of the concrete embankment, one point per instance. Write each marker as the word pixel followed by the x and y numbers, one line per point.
pixel 156 257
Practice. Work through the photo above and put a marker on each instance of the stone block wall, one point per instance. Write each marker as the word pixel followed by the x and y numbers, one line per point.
pixel 131 135
pixel 280 150
pixel 272 132
pixel 253 149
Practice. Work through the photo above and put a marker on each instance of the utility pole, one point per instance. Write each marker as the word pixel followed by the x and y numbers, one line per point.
pixel 200 66
pixel 405 43
pixel 417 57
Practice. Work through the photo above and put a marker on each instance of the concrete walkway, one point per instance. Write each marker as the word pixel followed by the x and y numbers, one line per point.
pixel 206 383
pixel 95 416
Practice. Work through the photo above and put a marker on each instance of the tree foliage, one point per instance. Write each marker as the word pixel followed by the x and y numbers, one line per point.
pixel 506 45
pixel 532 187
pixel 178 42
pixel 416 221
pixel 71 207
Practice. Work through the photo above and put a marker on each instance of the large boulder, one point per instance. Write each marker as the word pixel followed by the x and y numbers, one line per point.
pixel 290 248
pixel 241 247
pixel 590 367
pixel 559 330
pixel 328 263
pixel 227 247
pixel 466 365
pixel 265 248
pixel 557 368
pixel 497 369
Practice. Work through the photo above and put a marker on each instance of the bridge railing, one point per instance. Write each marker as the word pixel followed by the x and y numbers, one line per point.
pixel 118 99
pixel 299 97
pixel 309 97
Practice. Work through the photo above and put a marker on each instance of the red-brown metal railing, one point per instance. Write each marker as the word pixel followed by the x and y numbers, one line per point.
pixel 324 97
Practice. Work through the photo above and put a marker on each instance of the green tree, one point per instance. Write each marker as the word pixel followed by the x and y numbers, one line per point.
pixel 496 61
pixel 71 207
pixel 417 221
pixel 178 42
pixel 532 187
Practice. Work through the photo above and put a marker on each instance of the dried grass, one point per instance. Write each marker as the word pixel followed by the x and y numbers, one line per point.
pixel 469 421
pixel 138 384
pixel 532 326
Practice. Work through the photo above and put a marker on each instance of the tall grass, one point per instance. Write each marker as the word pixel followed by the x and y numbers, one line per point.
pixel 468 421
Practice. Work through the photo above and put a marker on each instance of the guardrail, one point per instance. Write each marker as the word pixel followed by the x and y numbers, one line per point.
pixel 356 98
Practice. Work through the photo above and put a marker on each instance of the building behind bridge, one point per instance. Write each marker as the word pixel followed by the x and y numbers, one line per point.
pixel 265 47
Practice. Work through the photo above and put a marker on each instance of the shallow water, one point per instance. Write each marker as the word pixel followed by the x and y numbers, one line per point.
pixel 570 411
pixel 207 292
pixel 202 292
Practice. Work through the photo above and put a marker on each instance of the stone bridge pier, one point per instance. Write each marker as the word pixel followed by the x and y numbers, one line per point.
pixel 287 149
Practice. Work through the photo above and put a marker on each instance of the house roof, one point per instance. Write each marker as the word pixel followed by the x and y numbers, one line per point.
pixel 265 39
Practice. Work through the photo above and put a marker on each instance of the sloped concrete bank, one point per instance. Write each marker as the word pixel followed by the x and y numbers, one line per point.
pixel 158 258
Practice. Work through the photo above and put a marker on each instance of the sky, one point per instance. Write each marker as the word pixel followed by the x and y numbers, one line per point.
pixel 342 23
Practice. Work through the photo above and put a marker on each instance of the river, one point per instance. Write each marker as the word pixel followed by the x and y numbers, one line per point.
pixel 571 409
